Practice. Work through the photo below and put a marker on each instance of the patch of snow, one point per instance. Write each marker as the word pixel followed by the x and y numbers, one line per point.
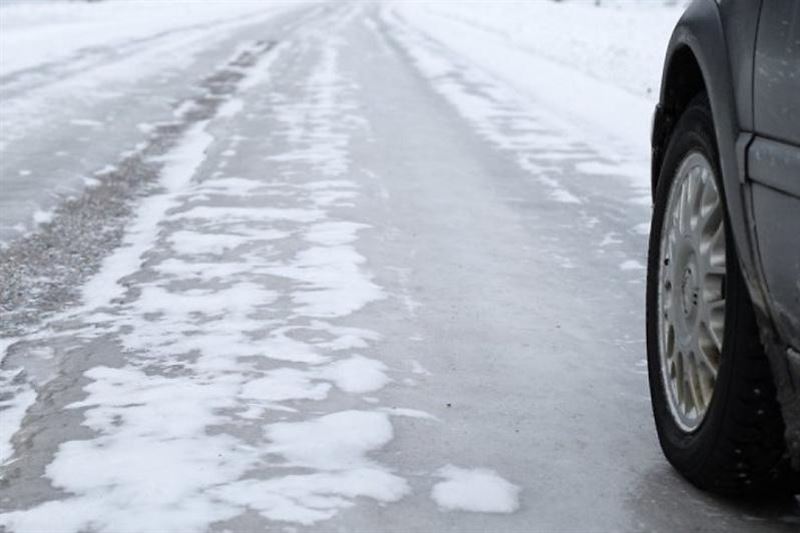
pixel 631 264
pixel 42 33
pixel 74 65
pixel 357 374
pixel 231 186
pixel 91 182
pixel 330 281
pixel 17 396
pixel 248 214
pixel 477 490
pixel 599 84
pixel 336 447
pixel 607 74
pixel 43 217
pixel 610 238
pixel 491 107
pixel 178 170
pixel 203 343
pixel 284 384
pixel 187 242
pixel 410 413
pixel 86 122
pixel 310 498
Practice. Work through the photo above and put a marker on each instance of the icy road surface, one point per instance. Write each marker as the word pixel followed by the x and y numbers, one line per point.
pixel 353 281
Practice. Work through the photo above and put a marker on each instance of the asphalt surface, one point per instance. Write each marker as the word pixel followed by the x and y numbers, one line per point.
pixel 342 210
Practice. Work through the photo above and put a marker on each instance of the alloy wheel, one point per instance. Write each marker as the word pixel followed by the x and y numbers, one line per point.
pixel 692 291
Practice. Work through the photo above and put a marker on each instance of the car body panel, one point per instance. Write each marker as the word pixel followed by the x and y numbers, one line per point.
pixel 776 77
pixel 775 164
pixel 774 168
pixel 740 26
pixel 774 161
pixel 777 232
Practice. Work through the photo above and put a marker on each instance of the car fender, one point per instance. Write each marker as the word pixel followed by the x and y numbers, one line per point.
pixel 701 31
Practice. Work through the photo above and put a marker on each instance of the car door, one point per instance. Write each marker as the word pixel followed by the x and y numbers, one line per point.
pixel 773 161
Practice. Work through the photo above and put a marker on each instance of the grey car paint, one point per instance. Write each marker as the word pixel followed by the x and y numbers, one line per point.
pixel 773 164
pixel 746 55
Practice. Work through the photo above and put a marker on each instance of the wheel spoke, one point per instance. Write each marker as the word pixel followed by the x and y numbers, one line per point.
pixel 708 360
pixel 710 221
pixel 680 381
pixel 684 215
pixel 695 196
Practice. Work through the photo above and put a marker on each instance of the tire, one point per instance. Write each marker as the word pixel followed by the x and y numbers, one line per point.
pixel 738 447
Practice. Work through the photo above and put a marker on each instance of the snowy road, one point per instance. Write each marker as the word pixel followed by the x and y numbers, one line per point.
pixel 354 283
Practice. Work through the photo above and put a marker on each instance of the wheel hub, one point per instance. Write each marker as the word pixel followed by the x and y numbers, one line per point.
pixel 690 291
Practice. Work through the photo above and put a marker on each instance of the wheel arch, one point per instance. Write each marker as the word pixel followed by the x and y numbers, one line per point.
pixel 682 81
pixel 697 60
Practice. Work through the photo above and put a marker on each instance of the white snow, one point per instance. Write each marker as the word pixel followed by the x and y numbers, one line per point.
pixel 284 384
pixel 231 108
pixel 631 264
pixel 605 76
pixel 143 470
pixel 335 446
pixel 17 398
pixel 410 413
pixel 610 238
pixel 187 242
pixel 599 84
pixel 76 66
pixel 357 374
pixel 42 217
pixel 178 170
pixel 474 489
pixel 42 33
pixel 331 442
pixel 505 119
pixel 167 453
pixel 330 279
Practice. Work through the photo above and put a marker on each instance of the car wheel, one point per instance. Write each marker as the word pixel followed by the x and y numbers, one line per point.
pixel 713 396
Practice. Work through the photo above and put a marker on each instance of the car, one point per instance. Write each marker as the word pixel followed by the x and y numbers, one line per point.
pixel 723 273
